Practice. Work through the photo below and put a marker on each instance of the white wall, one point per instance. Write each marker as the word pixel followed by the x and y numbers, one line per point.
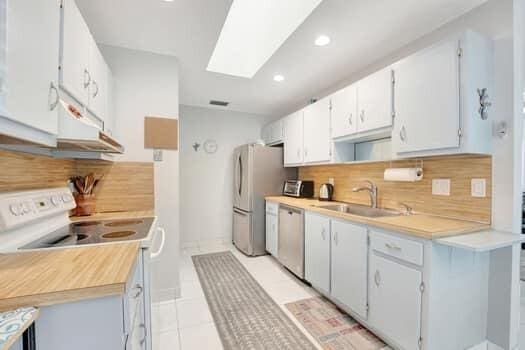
pixel 147 84
pixel 207 179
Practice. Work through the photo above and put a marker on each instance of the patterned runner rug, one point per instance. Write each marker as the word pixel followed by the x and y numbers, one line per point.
pixel 245 316
pixel 333 328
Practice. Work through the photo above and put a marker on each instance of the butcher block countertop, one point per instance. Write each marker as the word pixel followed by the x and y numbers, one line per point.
pixel 55 276
pixel 419 225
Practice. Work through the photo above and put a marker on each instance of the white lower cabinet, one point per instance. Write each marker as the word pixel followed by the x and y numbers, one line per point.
pixel 395 301
pixel 119 322
pixel 349 266
pixel 272 228
pixel 317 251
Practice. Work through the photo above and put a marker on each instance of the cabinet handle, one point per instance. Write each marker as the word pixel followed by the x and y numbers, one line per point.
pixel 54 104
pixel 305 152
pixel 362 116
pixel 139 289
pixel 336 239
pixel 377 278
pixel 143 326
pixel 403 134
pixel 96 91
pixel 392 246
pixel 350 118
pixel 323 234
pixel 298 152
pixel 87 78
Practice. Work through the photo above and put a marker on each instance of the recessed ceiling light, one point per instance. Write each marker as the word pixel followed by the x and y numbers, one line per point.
pixel 278 78
pixel 253 31
pixel 322 40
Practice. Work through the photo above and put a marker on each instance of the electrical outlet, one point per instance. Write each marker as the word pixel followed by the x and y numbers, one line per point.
pixel 331 181
pixel 157 155
pixel 478 188
pixel 441 187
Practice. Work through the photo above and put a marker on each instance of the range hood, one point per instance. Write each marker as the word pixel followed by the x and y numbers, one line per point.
pixel 77 133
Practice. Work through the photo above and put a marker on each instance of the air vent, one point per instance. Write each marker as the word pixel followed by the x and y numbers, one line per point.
pixel 219 103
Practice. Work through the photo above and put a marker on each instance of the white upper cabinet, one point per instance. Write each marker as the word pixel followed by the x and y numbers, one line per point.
pixel 98 88
pixel 31 71
pixel 84 72
pixel 344 112
pixel 293 138
pixel 350 266
pixel 317 132
pixel 374 100
pixel 76 47
pixel 437 102
pixel 427 99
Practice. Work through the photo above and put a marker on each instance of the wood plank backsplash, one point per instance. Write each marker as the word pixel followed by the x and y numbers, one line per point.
pixel 459 169
pixel 125 186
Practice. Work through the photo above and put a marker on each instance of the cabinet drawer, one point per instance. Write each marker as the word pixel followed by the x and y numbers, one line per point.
pixel 272 208
pixel 400 248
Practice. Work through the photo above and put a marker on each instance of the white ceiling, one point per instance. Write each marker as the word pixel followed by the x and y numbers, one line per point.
pixel 362 31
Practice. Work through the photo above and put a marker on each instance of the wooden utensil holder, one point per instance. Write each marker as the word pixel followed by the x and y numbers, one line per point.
pixel 86 204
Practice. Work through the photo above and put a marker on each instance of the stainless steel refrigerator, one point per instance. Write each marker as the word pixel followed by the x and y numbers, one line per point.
pixel 258 172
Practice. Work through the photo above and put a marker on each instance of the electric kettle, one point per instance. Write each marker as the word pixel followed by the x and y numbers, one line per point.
pixel 326 192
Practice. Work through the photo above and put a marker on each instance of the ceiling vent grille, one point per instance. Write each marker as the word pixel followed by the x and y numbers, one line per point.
pixel 219 103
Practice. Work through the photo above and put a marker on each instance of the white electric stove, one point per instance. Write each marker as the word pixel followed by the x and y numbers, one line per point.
pixel 39 219
pixel 34 220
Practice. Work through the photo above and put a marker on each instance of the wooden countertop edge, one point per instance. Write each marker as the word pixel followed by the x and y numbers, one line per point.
pixel 71 295
pixel 476 226
pixel 21 331
pixel 62 297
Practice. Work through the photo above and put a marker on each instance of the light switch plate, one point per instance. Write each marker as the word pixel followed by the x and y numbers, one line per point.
pixel 478 188
pixel 441 187
pixel 331 181
pixel 157 155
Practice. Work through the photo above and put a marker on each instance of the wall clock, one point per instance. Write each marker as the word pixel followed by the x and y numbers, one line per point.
pixel 210 146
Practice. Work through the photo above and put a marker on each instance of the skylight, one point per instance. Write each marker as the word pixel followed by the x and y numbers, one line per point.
pixel 253 31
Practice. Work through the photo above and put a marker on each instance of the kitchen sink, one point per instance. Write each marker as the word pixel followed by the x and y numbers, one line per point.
pixel 360 210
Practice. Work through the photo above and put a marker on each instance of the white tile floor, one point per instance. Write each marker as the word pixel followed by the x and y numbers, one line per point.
pixel 187 324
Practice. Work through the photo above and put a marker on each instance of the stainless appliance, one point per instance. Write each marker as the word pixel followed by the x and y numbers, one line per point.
pixel 298 188
pixel 291 239
pixel 258 172
pixel 326 192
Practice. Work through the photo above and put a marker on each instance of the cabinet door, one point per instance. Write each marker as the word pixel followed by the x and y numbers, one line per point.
pixel 375 101
pixel 427 100
pixel 76 45
pixel 271 234
pixel 349 265
pixel 98 89
pixel 109 119
pixel 317 251
pixel 33 32
pixel 344 112
pixel 317 132
pixel 395 301
pixel 293 140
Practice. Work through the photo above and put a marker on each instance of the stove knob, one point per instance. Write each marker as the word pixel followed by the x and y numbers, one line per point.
pixel 55 200
pixel 15 209
pixel 26 208
pixel 66 198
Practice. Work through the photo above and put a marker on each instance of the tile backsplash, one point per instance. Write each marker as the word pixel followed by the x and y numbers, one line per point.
pixel 125 186
pixel 459 169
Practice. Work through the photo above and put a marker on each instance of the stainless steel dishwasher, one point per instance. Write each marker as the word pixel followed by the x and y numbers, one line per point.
pixel 291 239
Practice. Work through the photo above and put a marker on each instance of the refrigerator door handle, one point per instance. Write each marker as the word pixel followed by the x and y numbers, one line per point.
pixel 240 212
pixel 240 175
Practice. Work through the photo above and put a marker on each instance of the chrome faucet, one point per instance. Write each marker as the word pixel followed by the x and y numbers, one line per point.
pixel 372 191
